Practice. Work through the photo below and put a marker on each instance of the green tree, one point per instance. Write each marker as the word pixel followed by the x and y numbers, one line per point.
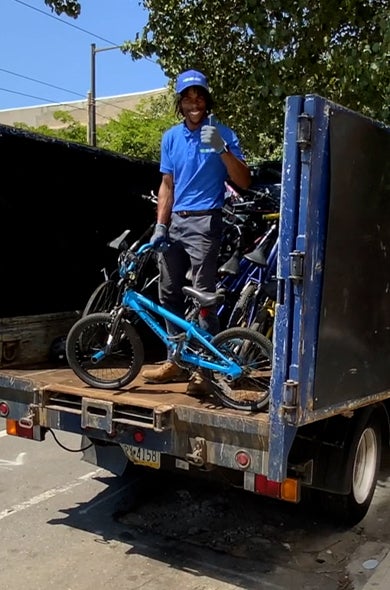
pixel 71 130
pixel 135 133
pixel 138 133
pixel 257 53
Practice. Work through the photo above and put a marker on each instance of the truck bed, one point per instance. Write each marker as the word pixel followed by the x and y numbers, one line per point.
pixel 138 403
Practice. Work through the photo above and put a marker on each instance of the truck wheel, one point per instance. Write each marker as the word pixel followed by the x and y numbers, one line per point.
pixel 361 468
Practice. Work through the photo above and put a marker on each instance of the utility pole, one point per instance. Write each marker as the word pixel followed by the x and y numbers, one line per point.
pixel 92 99
pixel 92 93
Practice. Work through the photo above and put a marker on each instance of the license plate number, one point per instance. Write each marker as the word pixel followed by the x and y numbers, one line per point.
pixel 142 456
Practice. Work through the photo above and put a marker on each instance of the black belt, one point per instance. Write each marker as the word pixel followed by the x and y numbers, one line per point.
pixel 198 213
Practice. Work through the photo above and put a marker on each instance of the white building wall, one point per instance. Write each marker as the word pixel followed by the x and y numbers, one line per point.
pixel 106 108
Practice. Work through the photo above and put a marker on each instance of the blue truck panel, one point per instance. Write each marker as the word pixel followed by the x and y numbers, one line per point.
pixel 331 324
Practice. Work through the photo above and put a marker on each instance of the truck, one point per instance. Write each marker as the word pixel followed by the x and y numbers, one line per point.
pixel 322 435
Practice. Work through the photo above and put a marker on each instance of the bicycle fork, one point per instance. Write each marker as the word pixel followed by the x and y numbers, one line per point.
pixel 99 355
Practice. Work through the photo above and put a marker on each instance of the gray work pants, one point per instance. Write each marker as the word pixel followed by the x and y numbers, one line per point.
pixel 194 245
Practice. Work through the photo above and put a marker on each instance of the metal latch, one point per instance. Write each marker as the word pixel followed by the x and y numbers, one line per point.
pixel 304 131
pixel 199 452
pixel 96 414
pixel 296 265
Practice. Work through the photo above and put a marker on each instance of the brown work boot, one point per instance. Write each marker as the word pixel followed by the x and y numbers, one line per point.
pixel 168 372
pixel 198 385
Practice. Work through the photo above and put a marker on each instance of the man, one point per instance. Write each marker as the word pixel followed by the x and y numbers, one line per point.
pixel 197 156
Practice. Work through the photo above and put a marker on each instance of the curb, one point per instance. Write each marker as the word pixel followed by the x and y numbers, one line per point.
pixel 380 579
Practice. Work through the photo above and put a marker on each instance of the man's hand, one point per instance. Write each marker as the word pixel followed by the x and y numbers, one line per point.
pixel 210 135
pixel 159 237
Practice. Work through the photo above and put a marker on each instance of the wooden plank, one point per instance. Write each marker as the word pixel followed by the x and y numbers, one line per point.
pixel 26 340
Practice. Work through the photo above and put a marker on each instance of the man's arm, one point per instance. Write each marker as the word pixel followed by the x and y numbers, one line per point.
pixel 237 169
pixel 165 199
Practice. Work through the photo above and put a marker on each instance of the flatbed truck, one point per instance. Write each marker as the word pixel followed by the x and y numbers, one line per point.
pixel 327 422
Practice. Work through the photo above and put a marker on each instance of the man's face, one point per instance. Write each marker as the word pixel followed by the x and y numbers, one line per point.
pixel 193 106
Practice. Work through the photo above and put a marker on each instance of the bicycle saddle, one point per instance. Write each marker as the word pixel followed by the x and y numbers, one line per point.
pixel 205 298
pixel 257 256
pixel 231 266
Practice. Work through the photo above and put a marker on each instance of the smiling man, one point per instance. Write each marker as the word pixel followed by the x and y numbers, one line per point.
pixel 197 156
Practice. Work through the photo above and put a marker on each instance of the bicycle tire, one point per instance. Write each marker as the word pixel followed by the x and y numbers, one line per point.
pixel 263 322
pixel 103 298
pixel 243 307
pixel 89 335
pixel 253 352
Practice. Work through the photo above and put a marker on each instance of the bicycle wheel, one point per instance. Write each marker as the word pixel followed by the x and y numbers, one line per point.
pixel 243 309
pixel 253 352
pixel 103 298
pixel 115 370
pixel 264 321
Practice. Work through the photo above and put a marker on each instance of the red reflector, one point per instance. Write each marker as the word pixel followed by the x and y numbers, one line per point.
pixel 243 460
pixel 15 428
pixel 267 487
pixel 4 409
pixel 138 436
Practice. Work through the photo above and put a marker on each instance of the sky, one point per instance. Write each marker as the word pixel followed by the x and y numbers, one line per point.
pixel 46 58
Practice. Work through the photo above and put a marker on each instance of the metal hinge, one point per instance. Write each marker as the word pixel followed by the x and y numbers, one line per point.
pixel 290 396
pixel 296 265
pixel 304 131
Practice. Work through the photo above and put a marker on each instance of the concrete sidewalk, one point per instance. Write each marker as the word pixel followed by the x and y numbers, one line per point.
pixel 380 579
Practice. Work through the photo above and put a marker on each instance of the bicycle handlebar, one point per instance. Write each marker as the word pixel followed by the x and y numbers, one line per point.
pixel 152 198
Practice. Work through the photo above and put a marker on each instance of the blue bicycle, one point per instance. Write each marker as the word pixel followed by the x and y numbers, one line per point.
pixel 105 350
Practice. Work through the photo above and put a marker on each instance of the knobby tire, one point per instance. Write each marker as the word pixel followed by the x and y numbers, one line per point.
pixel 253 352
pixel 118 368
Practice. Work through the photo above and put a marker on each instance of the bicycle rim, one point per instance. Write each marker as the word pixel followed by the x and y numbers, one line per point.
pixel 117 368
pixel 253 352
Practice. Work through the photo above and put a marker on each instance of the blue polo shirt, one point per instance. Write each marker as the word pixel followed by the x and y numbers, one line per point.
pixel 198 172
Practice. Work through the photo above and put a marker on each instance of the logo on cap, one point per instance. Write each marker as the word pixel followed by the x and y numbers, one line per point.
pixel 191 78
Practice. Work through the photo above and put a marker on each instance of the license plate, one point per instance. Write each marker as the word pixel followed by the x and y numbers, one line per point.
pixel 142 456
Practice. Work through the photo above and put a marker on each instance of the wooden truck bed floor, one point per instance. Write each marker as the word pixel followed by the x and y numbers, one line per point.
pixel 64 381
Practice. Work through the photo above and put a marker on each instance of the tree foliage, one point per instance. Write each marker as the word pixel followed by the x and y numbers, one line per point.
pixel 138 133
pixel 71 130
pixel 134 133
pixel 255 53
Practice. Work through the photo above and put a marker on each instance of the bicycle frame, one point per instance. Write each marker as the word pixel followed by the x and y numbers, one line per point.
pixel 249 271
pixel 178 345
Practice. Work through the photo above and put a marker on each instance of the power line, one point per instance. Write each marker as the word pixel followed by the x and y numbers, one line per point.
pixel 48 100
pixel 65 22
pixel 72 107
pixel 40 82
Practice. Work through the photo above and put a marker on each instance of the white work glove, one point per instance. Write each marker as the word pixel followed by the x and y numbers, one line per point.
pixel 209 135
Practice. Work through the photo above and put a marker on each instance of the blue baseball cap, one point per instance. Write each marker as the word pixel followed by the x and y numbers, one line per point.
pixel 191 78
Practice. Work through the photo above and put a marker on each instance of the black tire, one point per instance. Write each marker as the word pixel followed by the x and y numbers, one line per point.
pixel 361 471
pixel 243 308
pixel 88 336
pixel 254 353
pixel 103 299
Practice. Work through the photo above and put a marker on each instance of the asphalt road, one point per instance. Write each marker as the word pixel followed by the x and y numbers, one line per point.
pixel 67 525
